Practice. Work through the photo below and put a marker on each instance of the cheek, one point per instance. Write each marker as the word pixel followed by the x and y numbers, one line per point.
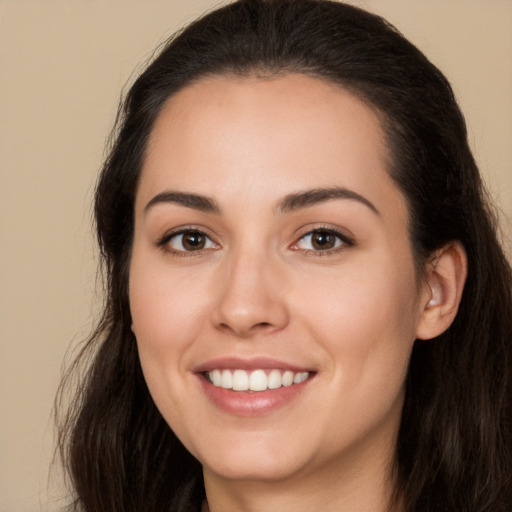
pixel 167 313
pixel 164 307
pixel 365 319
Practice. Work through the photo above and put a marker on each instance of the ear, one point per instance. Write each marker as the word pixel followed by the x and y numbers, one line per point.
pixel 442 292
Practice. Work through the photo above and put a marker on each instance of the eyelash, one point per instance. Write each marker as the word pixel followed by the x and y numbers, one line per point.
pixel 343 241
pixel 163 243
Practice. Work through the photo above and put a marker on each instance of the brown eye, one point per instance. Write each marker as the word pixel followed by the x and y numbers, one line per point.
pixel 193 241
pixel 190 241
pixel 322 240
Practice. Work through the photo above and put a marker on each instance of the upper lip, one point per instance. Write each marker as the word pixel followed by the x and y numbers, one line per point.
pixel 248 364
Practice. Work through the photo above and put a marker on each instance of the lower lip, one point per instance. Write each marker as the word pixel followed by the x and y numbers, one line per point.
pixel 257 403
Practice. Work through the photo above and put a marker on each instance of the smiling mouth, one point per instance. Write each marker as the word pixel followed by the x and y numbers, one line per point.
pixel 256 380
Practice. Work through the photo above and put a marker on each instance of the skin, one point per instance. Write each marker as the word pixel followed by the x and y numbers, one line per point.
pixel 349 314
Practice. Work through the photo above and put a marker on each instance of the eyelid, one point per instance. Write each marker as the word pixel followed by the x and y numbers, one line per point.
pixel 347 240
pixel 163 241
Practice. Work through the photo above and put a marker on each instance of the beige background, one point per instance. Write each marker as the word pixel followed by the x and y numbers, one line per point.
pixel 63 64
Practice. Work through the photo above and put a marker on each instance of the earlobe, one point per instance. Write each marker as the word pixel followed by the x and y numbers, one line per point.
pixel 446 275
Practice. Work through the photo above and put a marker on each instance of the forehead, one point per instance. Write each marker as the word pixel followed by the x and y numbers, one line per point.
pixel 266 136
pixel 273 105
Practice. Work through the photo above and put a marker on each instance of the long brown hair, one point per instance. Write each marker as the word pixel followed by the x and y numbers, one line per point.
pixel 454 450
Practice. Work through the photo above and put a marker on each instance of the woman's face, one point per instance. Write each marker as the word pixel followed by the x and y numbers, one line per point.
pixel 271 245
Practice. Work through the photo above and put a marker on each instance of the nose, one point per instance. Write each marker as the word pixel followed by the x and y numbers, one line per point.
pixel 251 297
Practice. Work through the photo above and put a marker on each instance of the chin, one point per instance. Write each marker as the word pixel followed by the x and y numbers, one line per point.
pixel 263 468
pixel 255 459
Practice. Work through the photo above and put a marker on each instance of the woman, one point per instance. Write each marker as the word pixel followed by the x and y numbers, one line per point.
pixel 308 307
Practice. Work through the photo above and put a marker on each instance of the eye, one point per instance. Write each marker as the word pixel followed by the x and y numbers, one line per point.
pixel 189 240
pixel 322 240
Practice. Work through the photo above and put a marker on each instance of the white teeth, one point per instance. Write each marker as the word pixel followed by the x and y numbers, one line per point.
pixel 257 380
pixel 300 377
pixel 287 378
pixel 274 380
pixel 240 380
pixel 216 377
pixel 226 381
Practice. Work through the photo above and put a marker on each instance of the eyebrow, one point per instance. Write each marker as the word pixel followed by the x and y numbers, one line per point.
pixel 195 201
pixel 290 203
pixel 316 196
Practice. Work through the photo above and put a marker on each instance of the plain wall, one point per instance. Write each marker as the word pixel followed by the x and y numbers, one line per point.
pixel 63 64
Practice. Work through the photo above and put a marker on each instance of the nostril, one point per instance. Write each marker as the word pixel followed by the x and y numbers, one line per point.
pixel 260 326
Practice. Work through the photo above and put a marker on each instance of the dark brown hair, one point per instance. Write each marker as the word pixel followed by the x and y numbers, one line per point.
pixel 454 450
